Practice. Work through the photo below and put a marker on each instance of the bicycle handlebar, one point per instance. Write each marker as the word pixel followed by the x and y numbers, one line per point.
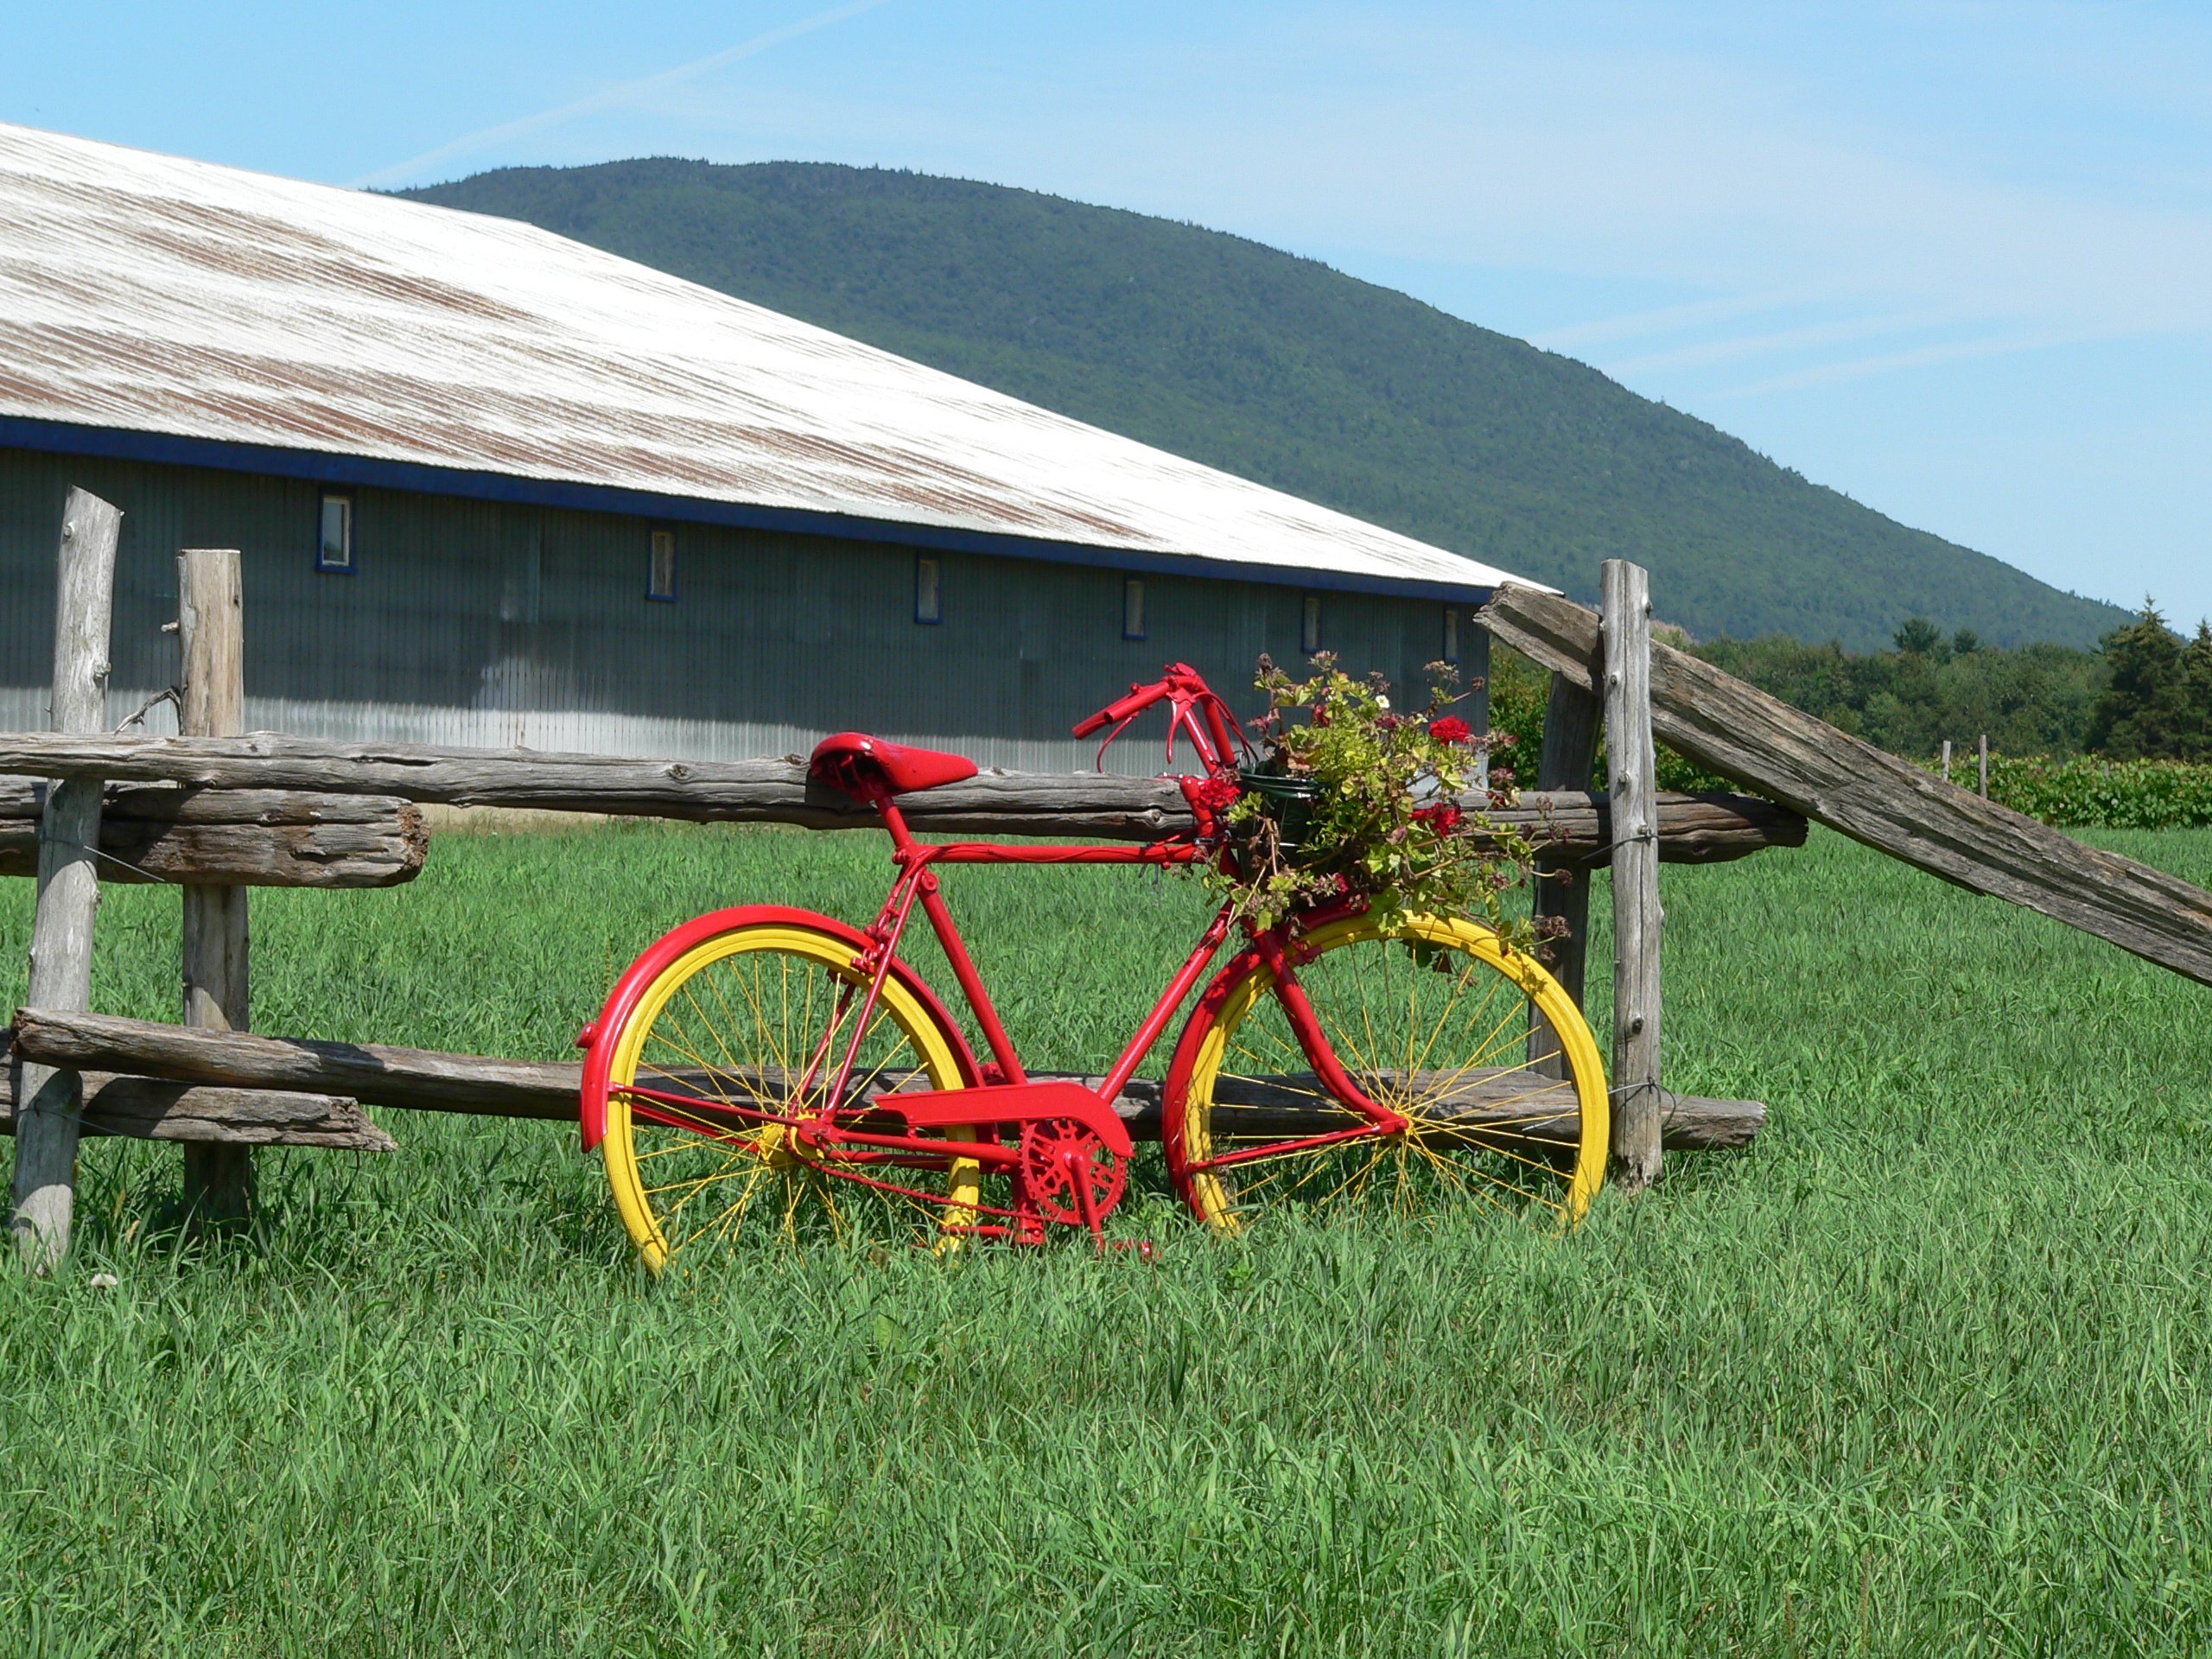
pixel 1141 698
pixel 1198 715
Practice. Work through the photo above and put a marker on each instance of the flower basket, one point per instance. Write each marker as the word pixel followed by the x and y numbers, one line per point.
pixel 1289 801
pixel 1350 799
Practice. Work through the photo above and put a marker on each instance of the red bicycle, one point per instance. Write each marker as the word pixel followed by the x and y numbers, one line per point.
pixel 763 1059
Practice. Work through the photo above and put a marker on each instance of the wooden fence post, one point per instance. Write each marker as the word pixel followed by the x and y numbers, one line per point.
pixel 211 629
pixel 1570 751
pixel 1984 766
pixel 68 881
pixel 1626 632
pixel 1946 760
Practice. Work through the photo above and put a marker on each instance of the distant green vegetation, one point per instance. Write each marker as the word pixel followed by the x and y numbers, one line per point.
pixel 2089 792
pixel 1284 371
pixel 1922 1372
pixel 2035 700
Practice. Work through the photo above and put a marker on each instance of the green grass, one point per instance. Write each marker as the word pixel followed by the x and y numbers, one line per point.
pixel 1925 1371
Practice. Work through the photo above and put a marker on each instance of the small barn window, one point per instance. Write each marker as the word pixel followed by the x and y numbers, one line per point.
pixel 660 566
pixel 929 598
pixel 1309 625
pixel 1451 653
pixel 1132 608
pixel 333 548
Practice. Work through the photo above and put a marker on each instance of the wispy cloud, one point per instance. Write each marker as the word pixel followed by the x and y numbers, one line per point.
pixel 629 91
pixel 1807 338
pixel 1638 325
pixel 1919 357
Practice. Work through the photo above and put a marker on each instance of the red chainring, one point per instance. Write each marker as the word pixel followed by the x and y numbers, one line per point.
pixel 1058 1153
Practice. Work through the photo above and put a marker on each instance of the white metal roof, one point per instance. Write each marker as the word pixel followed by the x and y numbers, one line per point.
pixel 145 294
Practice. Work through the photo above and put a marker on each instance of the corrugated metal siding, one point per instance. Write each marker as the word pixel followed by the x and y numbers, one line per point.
pixel 147 294
pixel 477 623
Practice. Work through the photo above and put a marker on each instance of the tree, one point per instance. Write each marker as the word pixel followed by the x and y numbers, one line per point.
pixel 2196 695
pixel 1918 637
pixel 2143 713
pixel 1965 642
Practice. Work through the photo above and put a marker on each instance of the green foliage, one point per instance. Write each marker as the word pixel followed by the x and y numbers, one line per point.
pixel 1360 798
pixel 2157 701
pixel 2032 699
pixel 1922 1372
pixel 2086 791
pixel 1282 369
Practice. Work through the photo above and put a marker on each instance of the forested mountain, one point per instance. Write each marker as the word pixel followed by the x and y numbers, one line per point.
pixel 1287 371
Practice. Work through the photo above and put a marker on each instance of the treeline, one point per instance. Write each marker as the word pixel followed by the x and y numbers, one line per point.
pixel 2144 694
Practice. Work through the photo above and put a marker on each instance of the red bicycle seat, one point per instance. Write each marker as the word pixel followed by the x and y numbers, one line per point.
pixel 854 762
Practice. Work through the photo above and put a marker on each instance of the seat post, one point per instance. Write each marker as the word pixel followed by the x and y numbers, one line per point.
pixel 894 821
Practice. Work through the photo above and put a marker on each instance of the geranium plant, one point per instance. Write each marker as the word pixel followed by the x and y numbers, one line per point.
pixel 1352 797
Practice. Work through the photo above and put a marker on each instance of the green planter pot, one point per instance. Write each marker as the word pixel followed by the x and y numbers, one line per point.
pixel 1289 802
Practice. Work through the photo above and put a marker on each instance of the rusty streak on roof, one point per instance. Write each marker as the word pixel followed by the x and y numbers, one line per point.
pixel 154 295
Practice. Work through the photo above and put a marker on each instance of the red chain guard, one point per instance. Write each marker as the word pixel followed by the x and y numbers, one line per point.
pixel 1011 1102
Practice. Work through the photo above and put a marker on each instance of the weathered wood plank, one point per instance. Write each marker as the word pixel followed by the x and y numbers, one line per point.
pixel 1631 763
pixel 150 1108
pixel 425 1080
pixel 211 702
pixel 68 883
pixel 1693 828
pixel 1759 741
pixel 261 838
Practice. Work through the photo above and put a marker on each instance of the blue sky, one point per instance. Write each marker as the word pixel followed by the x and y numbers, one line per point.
pixel 1955 260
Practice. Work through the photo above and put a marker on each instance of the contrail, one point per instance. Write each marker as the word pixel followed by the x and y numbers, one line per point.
pixel 628 92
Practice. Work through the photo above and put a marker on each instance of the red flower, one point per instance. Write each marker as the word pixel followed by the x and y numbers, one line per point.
pixel 1443 817
pixel 1450 729
pixel 1215 794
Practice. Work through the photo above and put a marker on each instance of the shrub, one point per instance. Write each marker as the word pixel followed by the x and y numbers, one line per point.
pixel 2087 792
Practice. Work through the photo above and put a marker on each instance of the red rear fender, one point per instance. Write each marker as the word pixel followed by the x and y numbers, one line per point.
pixel 599 1037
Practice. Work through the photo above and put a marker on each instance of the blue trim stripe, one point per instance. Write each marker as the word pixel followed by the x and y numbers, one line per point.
pixel 68 438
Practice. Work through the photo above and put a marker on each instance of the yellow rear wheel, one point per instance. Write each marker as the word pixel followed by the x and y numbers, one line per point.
pixel 1432 1019
pixel 755 1021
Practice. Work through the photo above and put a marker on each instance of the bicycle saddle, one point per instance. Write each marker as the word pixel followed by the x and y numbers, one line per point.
pixel 857 764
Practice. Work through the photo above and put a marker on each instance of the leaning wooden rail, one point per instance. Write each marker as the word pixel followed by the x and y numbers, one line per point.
pixel 1576 828
pixel 425 1080
pixel 231 837
pixel 1738 731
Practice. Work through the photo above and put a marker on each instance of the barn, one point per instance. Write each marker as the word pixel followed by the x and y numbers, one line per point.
pixel 492 486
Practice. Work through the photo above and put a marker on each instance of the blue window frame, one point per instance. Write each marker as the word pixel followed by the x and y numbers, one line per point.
pixel 929 592
pixel 1451 652
pixel 1133 607
pixel 1309 625
pixel 333 544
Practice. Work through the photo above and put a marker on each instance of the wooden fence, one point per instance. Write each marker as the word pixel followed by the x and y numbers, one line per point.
pixel 217 813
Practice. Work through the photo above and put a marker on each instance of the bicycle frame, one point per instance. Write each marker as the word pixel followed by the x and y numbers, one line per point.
pixel 845 1137
pixel 917 882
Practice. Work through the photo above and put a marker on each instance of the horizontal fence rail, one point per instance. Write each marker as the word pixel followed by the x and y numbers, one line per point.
pixel 231 837
pixel 1574 829
pixel 427 1080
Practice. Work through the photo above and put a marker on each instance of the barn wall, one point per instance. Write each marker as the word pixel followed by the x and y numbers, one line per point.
pixel 473 622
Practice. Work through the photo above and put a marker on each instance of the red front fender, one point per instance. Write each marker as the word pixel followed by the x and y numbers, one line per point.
pixel 598 1036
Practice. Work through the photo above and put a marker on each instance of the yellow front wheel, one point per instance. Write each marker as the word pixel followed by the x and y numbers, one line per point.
pixel 732 1044
pixel 1507 1114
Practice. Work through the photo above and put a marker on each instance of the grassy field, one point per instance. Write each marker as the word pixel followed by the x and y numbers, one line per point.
pixel 1927 1370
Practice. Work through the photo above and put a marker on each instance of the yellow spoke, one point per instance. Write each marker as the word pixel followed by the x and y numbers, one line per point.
pixel 759 1012
pixel 713 1030
pixel 713 1076
pixel 1458 990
